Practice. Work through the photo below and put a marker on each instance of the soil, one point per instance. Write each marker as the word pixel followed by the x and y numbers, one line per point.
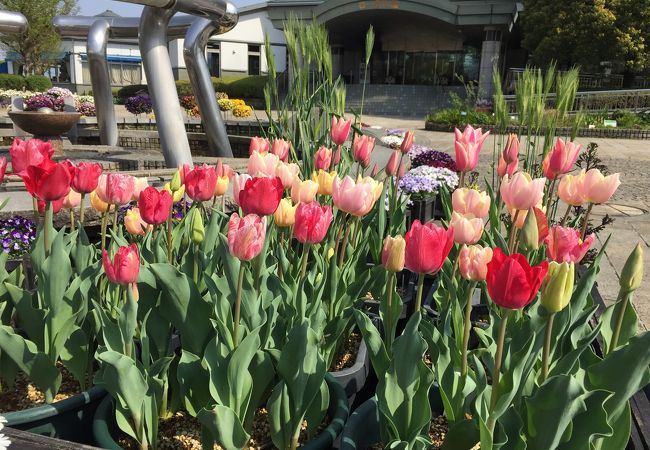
pixel 183 432
pixel 437 432
pixel 24 395
pixel 348 355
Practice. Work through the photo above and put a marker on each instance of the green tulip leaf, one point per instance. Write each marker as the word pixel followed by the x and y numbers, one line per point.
pixel 376 349
pixel 628 327
pixel 224 427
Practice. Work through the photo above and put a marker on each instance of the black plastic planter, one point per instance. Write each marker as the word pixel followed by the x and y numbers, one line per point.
pixel 70 419
pixel 352 379
pixel 362 430
pixel 104 427
pixel 423 210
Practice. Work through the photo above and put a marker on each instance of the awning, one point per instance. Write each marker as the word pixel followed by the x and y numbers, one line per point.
pixel 117 58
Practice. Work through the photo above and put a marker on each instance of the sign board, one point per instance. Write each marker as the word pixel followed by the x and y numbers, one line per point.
pixel 609 123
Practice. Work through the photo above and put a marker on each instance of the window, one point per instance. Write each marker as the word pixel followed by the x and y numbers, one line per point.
pixel 214 59
pixel 121 73
pixel 253 59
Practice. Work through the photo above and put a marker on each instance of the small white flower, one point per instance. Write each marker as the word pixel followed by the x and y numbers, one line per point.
pixel 4 442
pixel 2 422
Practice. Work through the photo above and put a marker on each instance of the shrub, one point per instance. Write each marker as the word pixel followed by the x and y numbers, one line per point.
pixel 139 104
pixel 8 81
pixel 187 102
pixel 242 111
pixel 458 118
pixel 132 90
pixel 37 83
pixel 183 88
pixel 241 86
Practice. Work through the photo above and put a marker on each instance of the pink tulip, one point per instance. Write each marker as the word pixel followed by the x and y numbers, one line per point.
pixel 560 159
pixel 401 171
pixel 323 158
pixel 262 165
pixel 362 148
pixel 72 200
pixel 115 188
pixel 407 143
pixel 312 222
pixel 510 154
pixel 374 171
pixel 599 188
pixel 467 228
pixel 125 267
pixel 246 235
pixel 31 152
pixel 564 245
pixel 521 191
pixel 336 158
pixel 304 191
pixel 353 198
pixel 504 168
pixel 473 261
pixel 287 173
pixel 470 201
pixel 239 181
pixel 280 148
pixel 259 145
pixel 224 170
pixel 201 183
pixel 139 185
pixel 468 146
pixel 393 163
pixel 571 189
pixel 340 130
pixel 427 247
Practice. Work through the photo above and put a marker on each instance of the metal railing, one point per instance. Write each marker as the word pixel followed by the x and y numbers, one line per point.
pixel 614 100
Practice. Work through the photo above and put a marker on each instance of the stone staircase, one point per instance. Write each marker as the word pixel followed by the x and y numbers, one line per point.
pixel 399 100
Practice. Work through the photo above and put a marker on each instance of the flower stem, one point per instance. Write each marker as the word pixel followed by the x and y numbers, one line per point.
pixel 103 226
pixel 619 322
pixel 223 203
pixel 82 209
pixel 115 219
pixel 496 373
pixel 418 298
pixel 586 222
pixel 344 246
pixel 467 329
pixel 305 257
pixel 240 282
pixel 513 232
pixel 71 220
pixel 46 227
pixel 566 216
pixel 195 273
pixel 37 216
pixel 550 194
pixel 389 310
pixel 547 346
pixel 169 234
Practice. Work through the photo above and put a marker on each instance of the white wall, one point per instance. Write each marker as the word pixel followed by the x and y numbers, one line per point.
pixel 78 47
pixel 234 57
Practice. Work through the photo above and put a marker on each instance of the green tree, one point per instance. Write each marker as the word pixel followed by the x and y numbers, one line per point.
pixel 586 32
pixel 35 48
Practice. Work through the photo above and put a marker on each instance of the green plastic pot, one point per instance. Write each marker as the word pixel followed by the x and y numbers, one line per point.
pixel 70 419
pixel 362 430
pixel 105 429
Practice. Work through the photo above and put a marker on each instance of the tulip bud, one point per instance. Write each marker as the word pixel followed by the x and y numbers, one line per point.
pixel 557 287
pixel 407 143
pixel 394 253
pixel 198 230
pixel 401 171
pixel 529 232
pixel 375 170
pixel 393 162
pixel 337 156
pixel 632 273
pixel 176 183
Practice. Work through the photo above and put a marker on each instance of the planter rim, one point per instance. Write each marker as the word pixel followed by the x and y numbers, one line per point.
pixel 53 409
pixel 325 439
pixel 359 362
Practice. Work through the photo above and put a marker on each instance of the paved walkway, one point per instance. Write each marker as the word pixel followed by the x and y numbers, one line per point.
pixel 629 206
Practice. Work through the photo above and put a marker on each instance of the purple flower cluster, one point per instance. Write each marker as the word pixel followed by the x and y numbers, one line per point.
pixel 17 235
pixel 434 158
pixel 87 109
pixel 139 104
pixel 43 101
pixel 424 181
pixel 395 132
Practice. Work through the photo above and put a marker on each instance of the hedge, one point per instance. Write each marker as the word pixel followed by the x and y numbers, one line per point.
pixel 134 89
pixel 241 86
pixel 37 83
pixel 8 81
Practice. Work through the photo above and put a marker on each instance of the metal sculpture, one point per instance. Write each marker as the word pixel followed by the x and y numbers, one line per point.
pixel 196 40
pixel 12 22
pixel 155 27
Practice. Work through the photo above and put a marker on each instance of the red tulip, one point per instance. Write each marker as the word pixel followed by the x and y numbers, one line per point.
pixel 340 130
pixel 125 267
pixel 29 153
pixel 57 205
pixel 564 245
pixel 312 222
pixel 393 163
pixel 3 168
pixel 512 283
pixel 201 182
pixel 154 205
pixel 427 247
pixel 246 236
pixel 183 170
pixel 224 170
pixel 407 143
pixel 280 148
pixel 49 181
pixel 115 188
pixel 261 195
pixel 85 177
pixel 560 159
pixel 258 144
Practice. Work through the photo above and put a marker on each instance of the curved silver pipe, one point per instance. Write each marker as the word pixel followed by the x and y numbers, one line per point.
pixel 101 82
pixel 212 9
pixel 196 40
pixel 162 87
pixel 121 27
pixel 12 22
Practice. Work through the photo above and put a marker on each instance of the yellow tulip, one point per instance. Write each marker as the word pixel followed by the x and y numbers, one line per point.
pixel 177 195
pixel 324 180
pixel 394 253
pixel 557 287
pixel 98 204
pixel 222 185
pixel 285 215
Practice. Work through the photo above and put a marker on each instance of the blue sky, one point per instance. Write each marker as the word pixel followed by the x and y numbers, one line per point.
pixel 92 7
